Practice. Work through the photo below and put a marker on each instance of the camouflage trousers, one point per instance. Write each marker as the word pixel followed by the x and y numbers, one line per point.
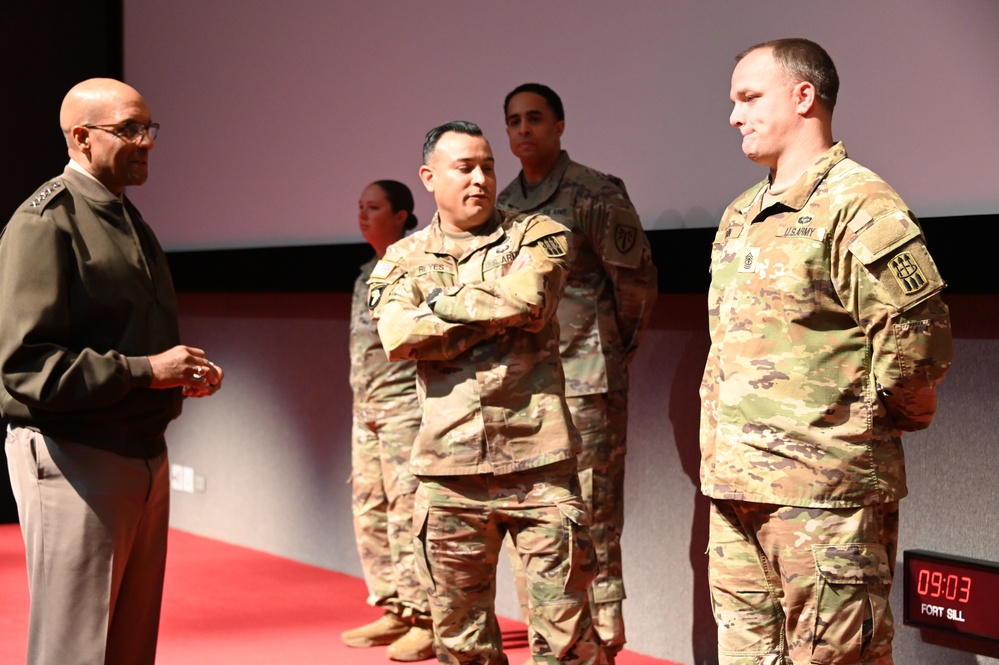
pixel 383 490
pixel 602 420
pixel 461 522
pixel 802 585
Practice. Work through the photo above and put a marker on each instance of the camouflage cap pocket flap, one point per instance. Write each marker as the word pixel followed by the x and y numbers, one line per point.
pixel 852 563
pixel 573 510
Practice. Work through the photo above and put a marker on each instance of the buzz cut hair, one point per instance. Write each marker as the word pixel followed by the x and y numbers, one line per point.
pixel 804 60
pixel 435 134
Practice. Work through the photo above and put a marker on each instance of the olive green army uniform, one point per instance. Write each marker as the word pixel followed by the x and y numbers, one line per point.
pixel 609 296
pixel 496 451
pixel 86 297
pixel 828 339
pixel 386 419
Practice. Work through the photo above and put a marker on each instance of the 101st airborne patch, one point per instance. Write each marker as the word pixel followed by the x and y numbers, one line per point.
pixel 908 273
pixel 375 295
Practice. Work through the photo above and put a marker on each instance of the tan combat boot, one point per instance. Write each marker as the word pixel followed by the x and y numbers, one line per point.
pixel 417 644
pixel 385 630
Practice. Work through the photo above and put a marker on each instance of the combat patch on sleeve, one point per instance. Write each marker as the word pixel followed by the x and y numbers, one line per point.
pixel 623 244
pixel 375 295
pixel 910 275
pixel 384 274
pixel 554 245
pixel 906 270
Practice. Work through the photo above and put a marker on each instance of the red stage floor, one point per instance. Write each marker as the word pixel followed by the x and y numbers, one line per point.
pixel 226 604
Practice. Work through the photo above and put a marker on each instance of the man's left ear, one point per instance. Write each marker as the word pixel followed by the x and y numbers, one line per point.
pixel 805 97
pixel 80 136
pixel 559 128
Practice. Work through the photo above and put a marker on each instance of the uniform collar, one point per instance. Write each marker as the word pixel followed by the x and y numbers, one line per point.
pixel 458 246
pixel 797 195
pixel 88 185
pixel 522 198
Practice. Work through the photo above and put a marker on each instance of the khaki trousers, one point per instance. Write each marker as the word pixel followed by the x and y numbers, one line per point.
pixel 95 532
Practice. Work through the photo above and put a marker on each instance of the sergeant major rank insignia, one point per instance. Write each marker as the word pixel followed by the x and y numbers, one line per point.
pixel 908 273
pixel 749 259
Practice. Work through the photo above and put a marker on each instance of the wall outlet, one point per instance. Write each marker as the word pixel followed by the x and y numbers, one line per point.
pixel 188 483
pixel 182 479
pixel 177 477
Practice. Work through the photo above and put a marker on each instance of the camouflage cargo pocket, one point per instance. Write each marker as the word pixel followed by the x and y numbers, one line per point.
pixel 580 562
pixel 420 514
pixel 852 619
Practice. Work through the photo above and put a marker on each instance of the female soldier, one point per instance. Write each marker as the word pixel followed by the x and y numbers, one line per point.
pixel 385 421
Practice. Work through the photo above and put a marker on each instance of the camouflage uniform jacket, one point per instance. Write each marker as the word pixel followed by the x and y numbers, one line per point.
pixel 612 284
pixel 379 385
pixel 488 370
pixel 828 339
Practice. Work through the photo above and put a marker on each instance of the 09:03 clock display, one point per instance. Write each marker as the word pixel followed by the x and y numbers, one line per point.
pixel 951 593
pixel 936 584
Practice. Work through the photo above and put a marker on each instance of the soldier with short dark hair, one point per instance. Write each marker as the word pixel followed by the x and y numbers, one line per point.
pixel 828 340
pixel 472 299
pixel 609 296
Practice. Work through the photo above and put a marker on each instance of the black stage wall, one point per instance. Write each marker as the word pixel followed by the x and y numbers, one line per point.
pixel 46 48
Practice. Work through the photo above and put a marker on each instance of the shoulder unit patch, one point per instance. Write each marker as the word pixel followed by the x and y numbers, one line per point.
pixel 375 295
pixel 554 245
pixel 624 238
pixel 906 270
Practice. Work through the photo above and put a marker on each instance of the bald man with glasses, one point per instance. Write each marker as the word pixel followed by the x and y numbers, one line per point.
pixel 92 373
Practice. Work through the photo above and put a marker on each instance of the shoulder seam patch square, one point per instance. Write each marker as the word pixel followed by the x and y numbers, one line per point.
pixel 553 246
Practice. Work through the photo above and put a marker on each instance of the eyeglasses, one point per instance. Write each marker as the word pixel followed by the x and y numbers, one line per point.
pixel 130 130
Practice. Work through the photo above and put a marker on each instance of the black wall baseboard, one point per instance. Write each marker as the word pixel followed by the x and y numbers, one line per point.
pixel 963 248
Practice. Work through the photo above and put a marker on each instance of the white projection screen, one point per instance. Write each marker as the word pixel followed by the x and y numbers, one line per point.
pixel 275 115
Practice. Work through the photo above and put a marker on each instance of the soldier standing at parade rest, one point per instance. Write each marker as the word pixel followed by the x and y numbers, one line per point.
pixel 93 372
pixel 609 296
pixel 828 339
pixel 386 418
pixel 472 299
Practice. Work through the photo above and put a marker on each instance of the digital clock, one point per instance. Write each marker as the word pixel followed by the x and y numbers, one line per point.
pixel 951 593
